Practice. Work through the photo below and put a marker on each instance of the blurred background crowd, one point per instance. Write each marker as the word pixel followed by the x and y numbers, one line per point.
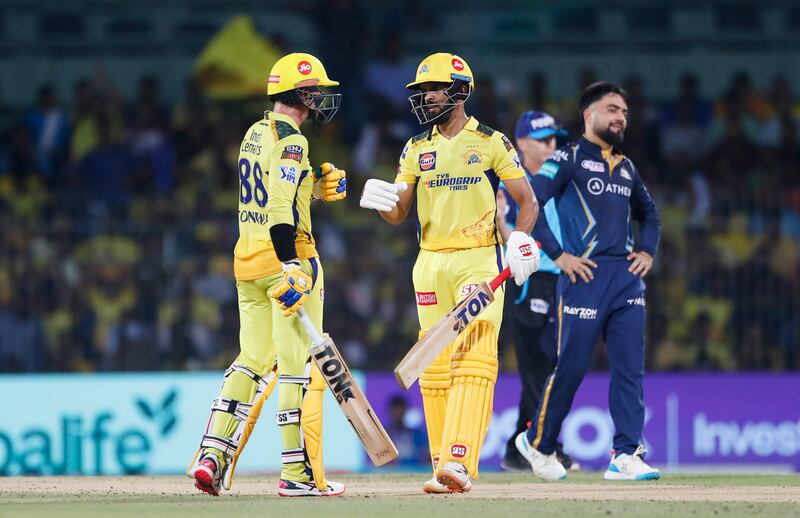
pixel 117 207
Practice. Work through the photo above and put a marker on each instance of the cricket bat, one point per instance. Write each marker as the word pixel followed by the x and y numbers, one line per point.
pixel 351 399
pixel 446 330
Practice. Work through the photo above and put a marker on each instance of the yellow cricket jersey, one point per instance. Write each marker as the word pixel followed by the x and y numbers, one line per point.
pixel 457 182
pixel 275 184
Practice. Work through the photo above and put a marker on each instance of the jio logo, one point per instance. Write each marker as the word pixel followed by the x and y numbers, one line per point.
pixel 595 186
pixel 457 64
pixel 304 67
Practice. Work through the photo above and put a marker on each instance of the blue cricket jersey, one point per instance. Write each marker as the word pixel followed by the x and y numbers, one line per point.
pixel 597 194
pixel 546 263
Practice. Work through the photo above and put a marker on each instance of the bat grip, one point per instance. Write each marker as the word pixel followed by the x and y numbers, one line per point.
pixel 500 279
pixel 316 338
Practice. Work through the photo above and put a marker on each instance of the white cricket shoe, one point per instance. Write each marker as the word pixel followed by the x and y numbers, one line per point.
pixel 455 477
pixel 544 466
pixel 433 487
pixel 294 488
pixel 630 467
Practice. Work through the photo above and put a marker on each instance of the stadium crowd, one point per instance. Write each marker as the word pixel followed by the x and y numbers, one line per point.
pixel 117 222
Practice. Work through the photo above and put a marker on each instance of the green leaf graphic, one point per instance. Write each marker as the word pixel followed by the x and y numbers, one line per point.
pixel 169 399
pixel 144 408
pixel 167 427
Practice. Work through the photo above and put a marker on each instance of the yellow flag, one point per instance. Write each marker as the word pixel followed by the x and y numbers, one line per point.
pixel 235 63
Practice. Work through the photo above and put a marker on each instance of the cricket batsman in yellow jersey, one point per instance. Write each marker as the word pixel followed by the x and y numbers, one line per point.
pixel 455 167
pixel 277 270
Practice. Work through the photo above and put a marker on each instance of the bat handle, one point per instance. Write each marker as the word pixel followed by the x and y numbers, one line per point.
pixel 316 338
pixel 500 279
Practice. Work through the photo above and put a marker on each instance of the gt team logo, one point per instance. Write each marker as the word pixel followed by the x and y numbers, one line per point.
pixel 582 313
pixel 457 64
pixel 304 67
pixel 591 165
pixel 458 451
pixel 426 298
pixel 595 186
pixel 625 174
pixel 427 161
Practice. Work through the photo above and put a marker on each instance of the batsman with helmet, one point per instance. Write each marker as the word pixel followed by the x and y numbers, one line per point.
pixel 277 270
pixel 454 168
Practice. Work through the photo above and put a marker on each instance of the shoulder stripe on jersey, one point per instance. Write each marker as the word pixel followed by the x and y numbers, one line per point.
pixel 284 129
pixel 417 138
pixel 486 130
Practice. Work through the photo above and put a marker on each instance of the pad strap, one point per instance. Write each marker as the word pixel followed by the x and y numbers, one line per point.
pixel 296 380
pixel 292 456
pixel 227 446
pixel 285 417
pixel 237 409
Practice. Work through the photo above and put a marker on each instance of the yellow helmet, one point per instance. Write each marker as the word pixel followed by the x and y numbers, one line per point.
pixel 442 67
pixel 297 70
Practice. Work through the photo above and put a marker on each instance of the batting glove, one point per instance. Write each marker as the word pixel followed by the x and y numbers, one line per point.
pixel 522 255
pixel 330 184
pixel 380 195
pixel 295 288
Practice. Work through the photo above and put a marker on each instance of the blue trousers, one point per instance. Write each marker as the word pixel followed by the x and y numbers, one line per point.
pixel 611 304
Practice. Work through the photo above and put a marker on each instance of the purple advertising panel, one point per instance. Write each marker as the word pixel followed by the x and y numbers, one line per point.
pixel 736 421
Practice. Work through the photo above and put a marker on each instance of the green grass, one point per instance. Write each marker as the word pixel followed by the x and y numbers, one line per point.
pixel 164 496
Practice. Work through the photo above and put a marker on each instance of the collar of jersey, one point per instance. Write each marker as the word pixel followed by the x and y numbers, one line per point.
pixel 596 150
pixel 471 125
pixel 273 116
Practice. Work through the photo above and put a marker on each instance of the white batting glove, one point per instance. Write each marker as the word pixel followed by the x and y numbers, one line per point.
pixel 522 255
pixel 380 195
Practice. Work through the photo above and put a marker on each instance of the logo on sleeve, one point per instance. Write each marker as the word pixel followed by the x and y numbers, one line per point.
pixel 405 150
pixel 288 173
pixel 548 170
pixel 426 298
pixel 427 161
pixel 517 162
pixel 591 165
pixel 625 174
pixel 507 143
pixel 292 152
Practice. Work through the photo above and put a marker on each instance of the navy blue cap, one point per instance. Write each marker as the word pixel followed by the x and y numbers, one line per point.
pixel 537 125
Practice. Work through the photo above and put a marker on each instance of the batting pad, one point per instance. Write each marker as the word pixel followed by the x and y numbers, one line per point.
pixel 311 425
pixel 469 408
pixel 434 384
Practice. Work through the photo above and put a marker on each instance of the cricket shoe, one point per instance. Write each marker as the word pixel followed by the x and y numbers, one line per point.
pixel 455 477
pixel 295 488
pixel 207 475
pixel 514 461
pixel 544 466
pixel 630 467
pixel 433 487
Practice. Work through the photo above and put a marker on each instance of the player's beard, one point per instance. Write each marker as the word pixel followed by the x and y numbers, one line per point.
pixel 445 112
pixel 609 137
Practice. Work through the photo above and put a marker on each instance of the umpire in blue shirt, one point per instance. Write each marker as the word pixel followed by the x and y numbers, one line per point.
pixel 530 310
pixel 598 193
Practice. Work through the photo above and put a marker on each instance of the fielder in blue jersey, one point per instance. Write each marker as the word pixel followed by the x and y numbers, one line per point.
pixel 598 194
pixel 529 312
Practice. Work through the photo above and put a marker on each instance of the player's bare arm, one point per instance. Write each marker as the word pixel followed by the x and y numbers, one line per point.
pixel 500 215
pixel 520 189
